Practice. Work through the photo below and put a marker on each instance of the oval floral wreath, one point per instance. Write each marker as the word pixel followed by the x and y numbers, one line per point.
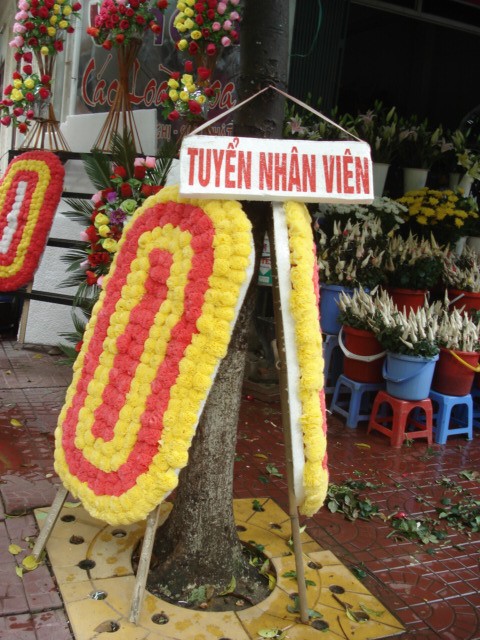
pixel 298 284
pixel 151 350
pixel 29 195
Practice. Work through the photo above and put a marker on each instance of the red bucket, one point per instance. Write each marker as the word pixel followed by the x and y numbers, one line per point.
pixel 467 299
pixel 408 298
pixel 454 372
pixel 363 353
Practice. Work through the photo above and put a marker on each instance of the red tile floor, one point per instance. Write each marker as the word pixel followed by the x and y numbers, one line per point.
pixel 432 588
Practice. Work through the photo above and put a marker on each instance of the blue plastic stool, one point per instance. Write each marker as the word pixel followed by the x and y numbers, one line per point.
pixel 452 416
pixel 333 359
pixel 354 400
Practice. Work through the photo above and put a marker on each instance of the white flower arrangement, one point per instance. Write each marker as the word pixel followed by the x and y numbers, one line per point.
pixel 456 330
pixel 462 271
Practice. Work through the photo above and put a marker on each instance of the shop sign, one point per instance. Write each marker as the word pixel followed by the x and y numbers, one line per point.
pixel 276 170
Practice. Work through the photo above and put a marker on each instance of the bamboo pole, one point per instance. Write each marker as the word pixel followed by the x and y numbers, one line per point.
pixel 286 422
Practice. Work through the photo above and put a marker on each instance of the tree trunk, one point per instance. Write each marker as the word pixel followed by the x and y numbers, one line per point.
pixel 199 545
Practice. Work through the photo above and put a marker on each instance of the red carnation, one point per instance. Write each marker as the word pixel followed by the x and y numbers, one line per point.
pixel 76 6
pixel 49 3
pixel 16 75
pixel 175 75
pixel 28 69
pixel 91 277
pixel 134 4
pixel 45 79
pixel 209 92
pixel 6 121
pixel 18 111
pixel 43 12
pixel 22 127
pixel 43 93
pixel 203 73
pixel 206 33
pixel 173 115
pixel 211 14
pixel 125 190
pixel 29 97
pixel 212 4
pixel 91 234
pixel 162 4
pixel 107 45
pixel 199 19
pixel 58 45
pixel 233 34
pixel 30 113
pixel 8 90
pixel 124 24
pixel 43 29
pixel 140 20
pixel 29 25
pixel 70 29
pixel 194 107
pixel 32 42
pixel 119 38
pixel 17 56
pixel 28 56
pixel 199 6
pixel 129 12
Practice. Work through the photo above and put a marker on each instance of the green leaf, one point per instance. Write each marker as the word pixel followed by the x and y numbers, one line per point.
pixel 290 574
pixel 269 633
pixel 231 587
pixel 257 506
pixel 273 471
pixel 372 612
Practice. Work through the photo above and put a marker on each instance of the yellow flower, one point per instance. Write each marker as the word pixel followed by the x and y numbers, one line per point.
pixel 459 222
pixel 101 219
pixel 189 24
pixel 51 31
pixel 200 99
pixel 182 44
pixel 16 95
pixel 53 19
pixel 422 220
pixel 63 24
pixel 18 83
pixel 173 95
pixel 196 35
pixel 57 9
pixel 104 230
pixel 189 12
pixel 44 51
pixel 67 10
pixel 110 245
pixel 184 95
pixel 172 83
pixel 187 79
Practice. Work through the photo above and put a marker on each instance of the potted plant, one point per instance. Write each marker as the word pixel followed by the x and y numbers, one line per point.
pixel 463 162
pixel 363 353
pixel 447 215
pixel 419 148
pixel 461 277
pixel 352 256
pixel 458 339
pixel 410 341
pixel 413 267
pixel 379 127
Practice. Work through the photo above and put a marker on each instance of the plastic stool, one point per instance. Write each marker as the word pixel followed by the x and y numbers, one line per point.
pixel 451 409
pixel 401 424
pixel 353 399
pixel 333 359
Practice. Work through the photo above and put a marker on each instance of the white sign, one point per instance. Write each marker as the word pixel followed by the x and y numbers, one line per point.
pixel 265 169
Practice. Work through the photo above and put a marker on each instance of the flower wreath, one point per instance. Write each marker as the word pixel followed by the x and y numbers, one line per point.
pixel 151 350
pixel 298 283
pixel 29 195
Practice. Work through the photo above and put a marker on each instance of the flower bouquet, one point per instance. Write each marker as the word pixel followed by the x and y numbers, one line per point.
pixel 462 272
pixel 447 215
pixel 379 127
pixel 23 97
pixel 207 27
pixel 353 256
pixel 462 159
pixel 187 97
pixel 414 263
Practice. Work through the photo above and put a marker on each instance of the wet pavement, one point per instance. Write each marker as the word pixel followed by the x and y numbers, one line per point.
pixel 433 588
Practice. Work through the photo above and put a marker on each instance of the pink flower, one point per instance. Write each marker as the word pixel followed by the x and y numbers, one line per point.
pixel 19 28
pixel 221 8
pixel 24 5
pixel 234 2
pixel 216 26
pixel 234 15
pixel 97 197
pixel 227 25
pixel 150 162
pixel 84 236
pixel 100 281
pixel 85 264
pixel 18 41
pixel 139 162
pixel 21 15
pixel 226 42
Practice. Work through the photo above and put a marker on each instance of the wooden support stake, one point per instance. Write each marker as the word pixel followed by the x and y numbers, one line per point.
pixel 285 409
pixel 50 521
pixel 144 564
pixel 22 329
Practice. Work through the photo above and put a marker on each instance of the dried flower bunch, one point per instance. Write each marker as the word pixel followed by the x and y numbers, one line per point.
pixel 413 262
pixel 446 214
pixel 120 21
pixel 462 271
pixel 456 330
pixel 353 255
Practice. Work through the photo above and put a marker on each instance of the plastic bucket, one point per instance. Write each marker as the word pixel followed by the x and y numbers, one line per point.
pixel 408 377
pixel 329 296
pixel 455 372
pixel 464 299
pixel 408 298
pixel 363 353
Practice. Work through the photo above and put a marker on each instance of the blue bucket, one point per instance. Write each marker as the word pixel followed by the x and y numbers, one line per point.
pixel 329 296
pixel 408 377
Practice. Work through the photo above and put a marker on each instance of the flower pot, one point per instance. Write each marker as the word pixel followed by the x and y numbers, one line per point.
pixel 408 298
pixel 474 243
pixel 465 183
pixel 363 353
pixel 329 296
pixel 454 372
pixel 414 179
pixel 468 300
pixel 408 377
pixel 380 171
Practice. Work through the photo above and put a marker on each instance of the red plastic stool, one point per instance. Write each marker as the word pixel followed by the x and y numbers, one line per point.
pixel 400 424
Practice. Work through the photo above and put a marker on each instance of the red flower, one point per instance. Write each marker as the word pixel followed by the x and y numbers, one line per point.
pixel 209 92
pixel 45 79
pixel 199 19
pixel 192 48
pixel 119 172
pixel 212 4
pixel 29 25
pixel 205 33
pixel 58 45
pixel 17 56
pixel 43 93
pixel 156 28
pixel 43 29
pixel 107 45
pixel 140 20
pixel 188 66
pixel 78 346
pixel 18 111
pixel 28 69
pixel 119 38
pixel 28 56
pixel 139 172
pixel 199 6
pixel 125 190
pixel 211 14
pixel 124 24
pixel 76 6
pixel 91 277
pixel 6 120
pixel 32 42
pixel 175 75
pixel 100 257
pixel 203 73
pixel 16 75
pixel 8 90
pixel 93 31
pixel 22 127
pixel 211 49
pixel 29 97
pixel 164 96
pixel 43 12
pixel 91 234
pixel 194 107
pixel 173 115
pixel 162 4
